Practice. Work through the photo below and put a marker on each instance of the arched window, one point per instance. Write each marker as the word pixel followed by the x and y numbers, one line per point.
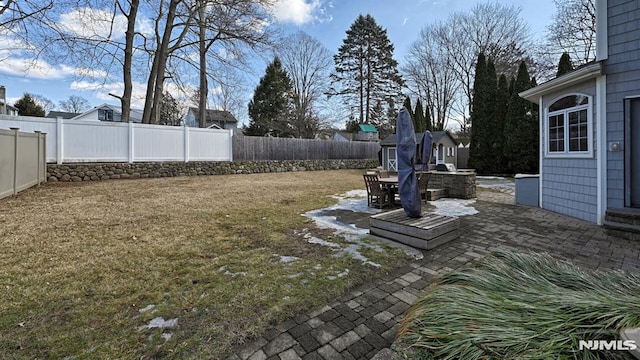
pixel 569 126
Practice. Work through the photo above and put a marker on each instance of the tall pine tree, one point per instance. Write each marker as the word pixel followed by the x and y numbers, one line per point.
pixel 521 128
pixel 27 106
pixel 564 65
pixel 419 122
pixel 479 110
pixel 365 68
pixel 500 113
pixel 270 108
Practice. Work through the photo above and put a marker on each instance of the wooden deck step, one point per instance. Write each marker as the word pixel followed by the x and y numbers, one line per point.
pixel 426 232
pixel 435 194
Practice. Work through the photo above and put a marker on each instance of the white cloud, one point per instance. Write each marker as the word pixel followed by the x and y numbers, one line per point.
pixel 102 91
pixel 94 23
pixel 297 11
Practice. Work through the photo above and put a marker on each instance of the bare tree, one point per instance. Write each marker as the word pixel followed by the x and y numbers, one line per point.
pixel 441 64
pixel 309 65
pixel 573 31
pixel 16 15
pixel 43 102
pixel 430 71
pixel 74 104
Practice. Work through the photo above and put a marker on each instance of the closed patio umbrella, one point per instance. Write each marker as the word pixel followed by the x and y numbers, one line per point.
pixel 425 145
pixel 407 181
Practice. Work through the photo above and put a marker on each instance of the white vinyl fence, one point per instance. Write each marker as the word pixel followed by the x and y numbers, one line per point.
pixel 22 161
pixel 97 141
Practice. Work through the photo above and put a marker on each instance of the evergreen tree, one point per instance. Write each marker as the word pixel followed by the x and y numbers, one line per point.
pixel 428 124
pixel 27 106
pixel 169 110
pixel 407 105
pixel 365 68
pixel 500 113
pixel 565 65
pixel 270 108
pixel 491 126
pixel 478 145
pixel 521 128
pixel 419 122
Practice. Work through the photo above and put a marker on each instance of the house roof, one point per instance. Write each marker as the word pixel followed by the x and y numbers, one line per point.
pixel 345 134
pixel 135 115
pixel 436 136
pixel 588 71
pixel 62 114
pixel 215 115
pixel 367 128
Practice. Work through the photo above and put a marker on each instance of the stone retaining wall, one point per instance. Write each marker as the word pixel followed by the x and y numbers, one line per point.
pixel 459 185
pixel 106 171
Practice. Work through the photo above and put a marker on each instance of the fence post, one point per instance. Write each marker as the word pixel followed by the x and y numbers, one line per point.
pixel 186 143
pixel 38 173
pixel 230 145
pixel 131 143
pixel 44 150
pixel 15 159
pixel 59 140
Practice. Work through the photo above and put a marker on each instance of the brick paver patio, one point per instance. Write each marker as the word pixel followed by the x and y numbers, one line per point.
pixel 365 321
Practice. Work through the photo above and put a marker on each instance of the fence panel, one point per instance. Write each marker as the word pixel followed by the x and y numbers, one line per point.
pixel 268 148
pixel 7 162
pixel 209 144
pixel 22 161
pixel 158 143
pixel 95 141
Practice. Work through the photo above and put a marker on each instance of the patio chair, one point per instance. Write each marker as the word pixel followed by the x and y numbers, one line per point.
pixel 423 181
pixel 377 195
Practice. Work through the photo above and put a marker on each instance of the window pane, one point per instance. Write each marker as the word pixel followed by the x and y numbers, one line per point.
pixel 573 145
pixel 573 118
pixel 569 102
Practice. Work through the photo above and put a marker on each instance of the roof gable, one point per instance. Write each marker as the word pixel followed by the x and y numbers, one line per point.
pixel 214 115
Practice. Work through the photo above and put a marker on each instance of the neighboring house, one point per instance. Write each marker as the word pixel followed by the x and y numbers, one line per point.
pixel 590 125
pixel 367 132
pixel 8 109
pixel 61 114
pixel 106 112
pixel 444 149
pixel 342 136
pixel 219 118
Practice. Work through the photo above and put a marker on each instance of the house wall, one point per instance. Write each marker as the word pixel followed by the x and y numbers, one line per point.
pixel 569 185
pixel 622 69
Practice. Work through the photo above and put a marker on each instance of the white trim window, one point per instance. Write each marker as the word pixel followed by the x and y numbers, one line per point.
pixel 568 127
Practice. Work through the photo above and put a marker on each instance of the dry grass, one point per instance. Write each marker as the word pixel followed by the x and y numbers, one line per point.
pixel 79 261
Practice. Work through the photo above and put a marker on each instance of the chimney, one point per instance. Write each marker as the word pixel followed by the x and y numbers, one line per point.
pixel 3 96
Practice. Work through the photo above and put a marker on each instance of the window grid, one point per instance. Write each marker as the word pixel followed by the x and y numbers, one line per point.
pixel 568 125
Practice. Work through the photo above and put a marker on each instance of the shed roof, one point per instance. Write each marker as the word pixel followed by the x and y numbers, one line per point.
pixel 368 128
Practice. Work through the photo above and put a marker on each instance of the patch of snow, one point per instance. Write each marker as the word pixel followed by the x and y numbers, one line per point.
pixel 232 274
pixel 286 259
pixel 454 207
pixel 147 308
pixel 160 323
pixel 339 275
pixel 167 336
pixel 314 240
pixel 502 184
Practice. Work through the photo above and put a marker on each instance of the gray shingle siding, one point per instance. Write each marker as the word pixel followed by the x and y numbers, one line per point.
pixel 570 184
pixel 623 80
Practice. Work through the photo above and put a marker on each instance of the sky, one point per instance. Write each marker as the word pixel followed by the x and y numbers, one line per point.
pixel 325 20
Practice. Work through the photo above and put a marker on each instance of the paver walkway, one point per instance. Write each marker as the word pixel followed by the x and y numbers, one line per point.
pixel 361 323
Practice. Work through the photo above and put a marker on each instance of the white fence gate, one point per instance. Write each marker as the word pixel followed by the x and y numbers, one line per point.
pixel 98 141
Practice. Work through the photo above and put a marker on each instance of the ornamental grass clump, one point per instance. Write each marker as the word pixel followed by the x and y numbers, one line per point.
pixel 521 306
